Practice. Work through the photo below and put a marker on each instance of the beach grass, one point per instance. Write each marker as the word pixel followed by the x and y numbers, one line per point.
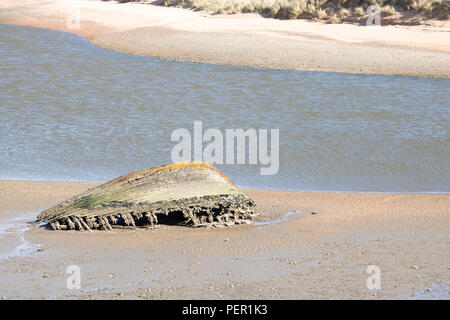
pixel 392 11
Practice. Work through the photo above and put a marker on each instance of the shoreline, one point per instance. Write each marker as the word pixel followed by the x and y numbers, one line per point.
pixel 2 180
pixel 247 39
pixel 326 254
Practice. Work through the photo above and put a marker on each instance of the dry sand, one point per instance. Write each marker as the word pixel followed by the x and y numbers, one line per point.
pixel 322 255
pixel 245 39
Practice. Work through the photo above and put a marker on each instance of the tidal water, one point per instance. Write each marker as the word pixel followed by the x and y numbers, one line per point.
pixel 72 111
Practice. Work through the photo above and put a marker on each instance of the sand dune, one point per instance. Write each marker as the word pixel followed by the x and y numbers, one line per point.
pixel 244 39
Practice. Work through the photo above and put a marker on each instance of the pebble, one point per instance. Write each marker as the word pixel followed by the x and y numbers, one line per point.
pixel 313 212
pixel 414 267
pixel 46 275
pixel 120 294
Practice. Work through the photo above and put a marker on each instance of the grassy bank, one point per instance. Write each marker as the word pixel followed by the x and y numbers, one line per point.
pixel 333 11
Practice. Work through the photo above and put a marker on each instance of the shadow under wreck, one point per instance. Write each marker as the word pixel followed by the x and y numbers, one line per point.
pixel 186 193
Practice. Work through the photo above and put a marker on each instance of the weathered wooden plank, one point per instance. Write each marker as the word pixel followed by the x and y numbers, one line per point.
pixel 187 193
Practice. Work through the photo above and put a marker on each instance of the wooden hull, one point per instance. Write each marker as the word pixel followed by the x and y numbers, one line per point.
pixel 186 193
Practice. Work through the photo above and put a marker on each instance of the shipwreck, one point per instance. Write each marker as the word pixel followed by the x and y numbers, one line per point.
pixel 191 194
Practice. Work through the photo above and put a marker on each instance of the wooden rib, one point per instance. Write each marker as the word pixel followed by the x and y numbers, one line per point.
pixel 130 218
pixel 85 225
pixel 108 226
pixel 70 224
pixel 78 223
pixel 113 219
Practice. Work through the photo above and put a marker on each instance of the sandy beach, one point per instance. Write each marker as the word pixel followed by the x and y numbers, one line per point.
pixel 302 245
pixel 244 39
pixel 309 256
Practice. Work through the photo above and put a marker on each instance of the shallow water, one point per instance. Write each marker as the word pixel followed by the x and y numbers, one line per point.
pixel 287 216
pixel 12 235
pixel 439 291
pixel 73 111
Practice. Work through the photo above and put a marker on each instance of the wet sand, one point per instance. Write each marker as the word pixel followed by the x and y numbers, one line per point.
pixel 244 39
pixel 322 255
